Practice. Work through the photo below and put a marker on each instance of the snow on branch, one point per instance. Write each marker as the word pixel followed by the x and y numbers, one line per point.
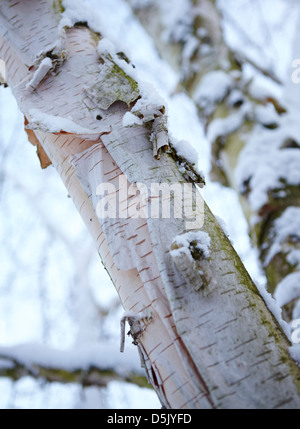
pixel 89 365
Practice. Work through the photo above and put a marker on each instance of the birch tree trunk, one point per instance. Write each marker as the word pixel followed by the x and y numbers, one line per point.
pixel 204 333
pixel 255 142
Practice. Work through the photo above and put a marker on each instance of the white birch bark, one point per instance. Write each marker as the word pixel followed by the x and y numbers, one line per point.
pixel 205 335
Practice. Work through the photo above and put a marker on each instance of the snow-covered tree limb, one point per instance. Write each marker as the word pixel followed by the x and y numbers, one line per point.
pixel 205 335
pixel 91 365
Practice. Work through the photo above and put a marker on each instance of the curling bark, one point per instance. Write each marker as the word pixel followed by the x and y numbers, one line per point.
pixel 204 333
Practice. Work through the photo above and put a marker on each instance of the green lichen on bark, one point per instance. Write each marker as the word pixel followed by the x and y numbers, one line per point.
pixel 267 319
pixel 58 6
pixel 219 241
pixel 188 170
pixel 113 84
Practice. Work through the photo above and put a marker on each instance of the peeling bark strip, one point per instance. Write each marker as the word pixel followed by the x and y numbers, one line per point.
pixel 208 345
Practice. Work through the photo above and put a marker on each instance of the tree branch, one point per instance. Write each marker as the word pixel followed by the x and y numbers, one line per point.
pixel 85 365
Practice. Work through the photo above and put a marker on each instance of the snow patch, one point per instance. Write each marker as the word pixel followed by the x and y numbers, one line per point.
pixel 129 120
pixel 101 355
pixel 274 306
pixel 261 87
pixel 186 150
pixel 183 243
pixel 224 126
pixel 266 115
pixel 182 111
pixel 77 11
pixel 150 104
pixel 265 166
pixel 223 225
pixel 285 227
pixel 177 20
pixel 288 289
pixel 213 88
pixel 106 46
